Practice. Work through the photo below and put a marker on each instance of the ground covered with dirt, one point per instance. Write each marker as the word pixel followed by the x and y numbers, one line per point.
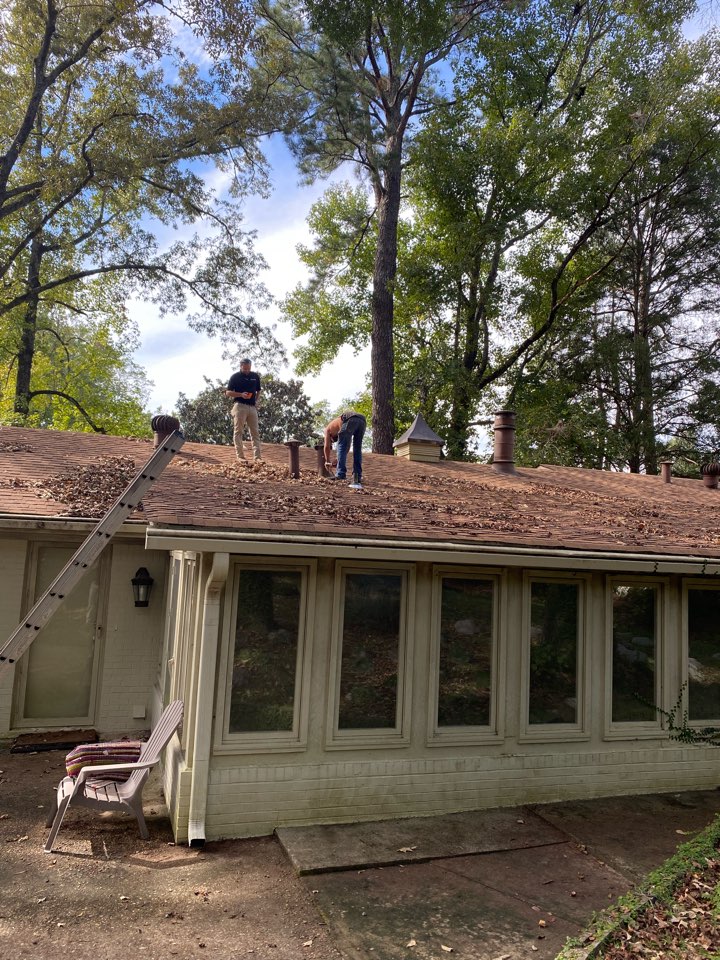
pixel 106 894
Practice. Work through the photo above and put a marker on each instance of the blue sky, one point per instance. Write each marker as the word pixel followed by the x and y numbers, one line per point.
pixel 176 359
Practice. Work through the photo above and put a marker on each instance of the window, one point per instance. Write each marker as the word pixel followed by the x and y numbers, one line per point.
pixel 554 635
pixel 703 670
pixel 265 651
pixel 265 657
pixel 370 651
pixel 465 677
pixel 634 652
pixel 369 698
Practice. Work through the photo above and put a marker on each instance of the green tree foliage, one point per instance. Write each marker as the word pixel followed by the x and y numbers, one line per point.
pixel 106 124
pixel 518 194
pixel 85 375
pixel 633 378
pixel 365 70
pixel 284 412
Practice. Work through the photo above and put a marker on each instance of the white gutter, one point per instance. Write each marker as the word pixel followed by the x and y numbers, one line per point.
pixel 238 542
pixel 205 698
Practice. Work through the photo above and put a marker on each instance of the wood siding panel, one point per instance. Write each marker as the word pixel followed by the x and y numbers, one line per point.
pixel 13 555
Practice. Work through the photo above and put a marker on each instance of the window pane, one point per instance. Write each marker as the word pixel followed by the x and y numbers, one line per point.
pixel 704 654
pixel 61 659
pixel 634 653
pixel 265 655
pixel 370 645
pixel 466 639
pixel 553 652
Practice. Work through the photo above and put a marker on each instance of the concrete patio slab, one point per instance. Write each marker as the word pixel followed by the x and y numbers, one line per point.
pixel 414 840
pixel 634 834
pixel 426 911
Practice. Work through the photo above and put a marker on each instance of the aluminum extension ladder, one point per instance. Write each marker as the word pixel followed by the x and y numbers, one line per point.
pixel 88 553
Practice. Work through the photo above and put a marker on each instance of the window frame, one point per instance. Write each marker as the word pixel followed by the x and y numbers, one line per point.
pixel 687 585
pixel 494 732
pixel 362 738
pixel 637 729
pixel 555 732
pixel 268 741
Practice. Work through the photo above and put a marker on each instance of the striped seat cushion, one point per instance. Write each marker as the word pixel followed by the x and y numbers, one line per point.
pixel 113 751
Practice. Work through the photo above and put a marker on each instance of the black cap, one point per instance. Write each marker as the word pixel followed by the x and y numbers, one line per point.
pixel 246 360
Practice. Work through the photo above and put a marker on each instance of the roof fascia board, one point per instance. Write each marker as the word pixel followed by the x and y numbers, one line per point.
pixel 135 528
pixel 343 549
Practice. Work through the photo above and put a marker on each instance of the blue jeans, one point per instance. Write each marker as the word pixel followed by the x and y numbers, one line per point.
pixel 353 429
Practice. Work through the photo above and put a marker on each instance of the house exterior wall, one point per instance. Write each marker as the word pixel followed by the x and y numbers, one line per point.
pixel 13 554
pixel 313 775
pixel 132 642
pixel 129 638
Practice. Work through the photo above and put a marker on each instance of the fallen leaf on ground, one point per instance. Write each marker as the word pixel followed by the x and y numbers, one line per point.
pixel 406 849
pixel 411 943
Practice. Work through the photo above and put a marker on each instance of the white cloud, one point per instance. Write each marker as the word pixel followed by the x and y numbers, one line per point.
pixel 176 358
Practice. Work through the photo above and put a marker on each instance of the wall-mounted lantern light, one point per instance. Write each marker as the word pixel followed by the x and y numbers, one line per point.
pixel 142 584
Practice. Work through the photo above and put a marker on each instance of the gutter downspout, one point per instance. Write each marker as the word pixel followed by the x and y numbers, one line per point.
pixel 205 696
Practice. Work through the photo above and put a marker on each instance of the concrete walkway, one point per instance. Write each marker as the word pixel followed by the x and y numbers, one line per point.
pixel 493 884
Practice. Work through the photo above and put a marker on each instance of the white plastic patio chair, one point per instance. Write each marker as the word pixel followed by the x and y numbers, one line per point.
pixel 91 789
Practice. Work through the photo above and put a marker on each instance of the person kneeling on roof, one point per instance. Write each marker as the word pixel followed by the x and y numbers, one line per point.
pixel 348 426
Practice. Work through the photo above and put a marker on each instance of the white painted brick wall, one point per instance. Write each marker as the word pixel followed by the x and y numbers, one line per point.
pixel 251 800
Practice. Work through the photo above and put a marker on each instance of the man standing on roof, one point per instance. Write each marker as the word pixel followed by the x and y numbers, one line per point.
pixel 348 426
pixel 244 387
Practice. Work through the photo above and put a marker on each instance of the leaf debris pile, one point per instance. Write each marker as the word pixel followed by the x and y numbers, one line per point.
pixel 88 491
pixel 428 502
pixel 7 446
pixel 688 928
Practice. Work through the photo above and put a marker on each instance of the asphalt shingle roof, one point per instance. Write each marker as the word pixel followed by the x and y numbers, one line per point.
pixel 47 474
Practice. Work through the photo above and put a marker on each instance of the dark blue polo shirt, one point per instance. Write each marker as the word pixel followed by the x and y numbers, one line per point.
pixel 245 383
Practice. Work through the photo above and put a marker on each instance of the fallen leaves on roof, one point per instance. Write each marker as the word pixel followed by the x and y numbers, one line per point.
pixel 88 491
pixel 517 505
pixel 9 447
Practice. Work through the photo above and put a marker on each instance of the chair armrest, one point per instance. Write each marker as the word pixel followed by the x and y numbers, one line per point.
pixel 91 772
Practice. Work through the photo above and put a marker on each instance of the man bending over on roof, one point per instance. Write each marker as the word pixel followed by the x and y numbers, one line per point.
pixel 244 388
pixel 348 426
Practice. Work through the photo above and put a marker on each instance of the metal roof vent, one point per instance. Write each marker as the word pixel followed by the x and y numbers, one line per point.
pixel 163 425
pixel 419 442
pixel 504 449
pixel 710 473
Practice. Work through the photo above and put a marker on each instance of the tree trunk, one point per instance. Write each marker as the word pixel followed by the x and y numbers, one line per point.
pixel 26 350
pixel 464 392
pixel 381 342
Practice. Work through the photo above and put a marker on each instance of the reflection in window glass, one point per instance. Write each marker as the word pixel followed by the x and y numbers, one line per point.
pixel 634 653
pixel 370 650
pixel 265 654
pixel 553 652
pixel 704 654
pixel 466 647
